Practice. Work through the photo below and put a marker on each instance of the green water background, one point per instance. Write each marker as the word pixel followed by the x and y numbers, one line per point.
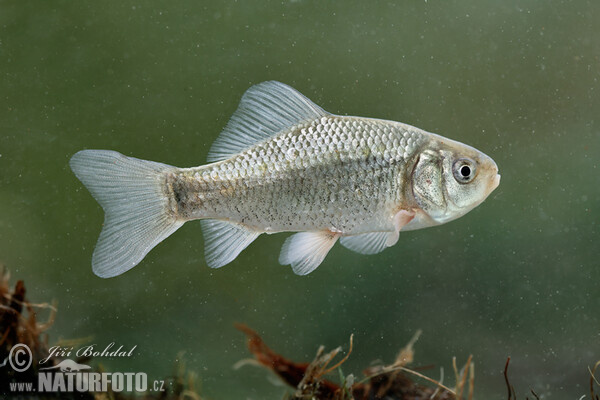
pixel 519 276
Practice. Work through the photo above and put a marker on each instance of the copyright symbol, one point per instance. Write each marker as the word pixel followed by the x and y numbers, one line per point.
pixel 20 357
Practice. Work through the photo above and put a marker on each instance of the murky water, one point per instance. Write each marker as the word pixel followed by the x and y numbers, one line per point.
pixel 157 80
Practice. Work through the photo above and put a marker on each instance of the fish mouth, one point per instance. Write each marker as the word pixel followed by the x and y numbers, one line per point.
pixel 494 183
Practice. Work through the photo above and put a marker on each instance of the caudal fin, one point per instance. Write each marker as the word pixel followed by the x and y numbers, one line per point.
pixel 136 207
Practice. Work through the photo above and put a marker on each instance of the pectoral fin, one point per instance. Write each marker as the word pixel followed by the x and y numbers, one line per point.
pixel 306 250
pixel 401 219
pixel 376 242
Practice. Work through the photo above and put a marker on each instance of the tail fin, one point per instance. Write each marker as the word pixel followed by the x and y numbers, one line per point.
pixel 136 207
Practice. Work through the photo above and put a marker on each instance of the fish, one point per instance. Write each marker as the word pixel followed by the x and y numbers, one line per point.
pixel 283 164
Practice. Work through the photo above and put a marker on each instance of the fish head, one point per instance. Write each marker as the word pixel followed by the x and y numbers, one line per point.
pixel 451 178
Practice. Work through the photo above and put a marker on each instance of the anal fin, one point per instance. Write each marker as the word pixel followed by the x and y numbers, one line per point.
pixel 224 241
pixel 305 251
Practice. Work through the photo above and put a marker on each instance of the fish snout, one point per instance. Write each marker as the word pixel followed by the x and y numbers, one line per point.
pixel 494 181
pixel 492 174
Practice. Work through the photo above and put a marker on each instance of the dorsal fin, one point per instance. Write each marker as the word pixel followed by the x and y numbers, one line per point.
pixel 265 110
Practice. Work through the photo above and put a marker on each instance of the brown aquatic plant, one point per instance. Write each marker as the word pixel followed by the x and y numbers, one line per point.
pixel 594 381
pixel 511 390
pixel 381 382
pixel 19 323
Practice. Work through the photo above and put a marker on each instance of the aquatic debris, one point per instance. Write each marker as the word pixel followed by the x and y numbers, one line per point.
pixel 381 382
pixel 19 325
pixel 593 383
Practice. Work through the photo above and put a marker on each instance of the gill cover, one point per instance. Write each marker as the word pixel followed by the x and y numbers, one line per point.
pixel 428 184
pixel 453 179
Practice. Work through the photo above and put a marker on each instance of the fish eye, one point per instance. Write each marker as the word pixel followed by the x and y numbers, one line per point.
pixel 464 170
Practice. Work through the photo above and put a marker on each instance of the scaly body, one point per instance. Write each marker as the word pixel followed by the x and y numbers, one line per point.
pixel 284 164
pixel 344 174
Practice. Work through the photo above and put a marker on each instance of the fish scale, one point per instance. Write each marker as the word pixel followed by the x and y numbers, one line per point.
pixel 285 182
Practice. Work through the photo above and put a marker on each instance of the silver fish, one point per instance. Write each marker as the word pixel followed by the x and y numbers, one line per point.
pixel 283 164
